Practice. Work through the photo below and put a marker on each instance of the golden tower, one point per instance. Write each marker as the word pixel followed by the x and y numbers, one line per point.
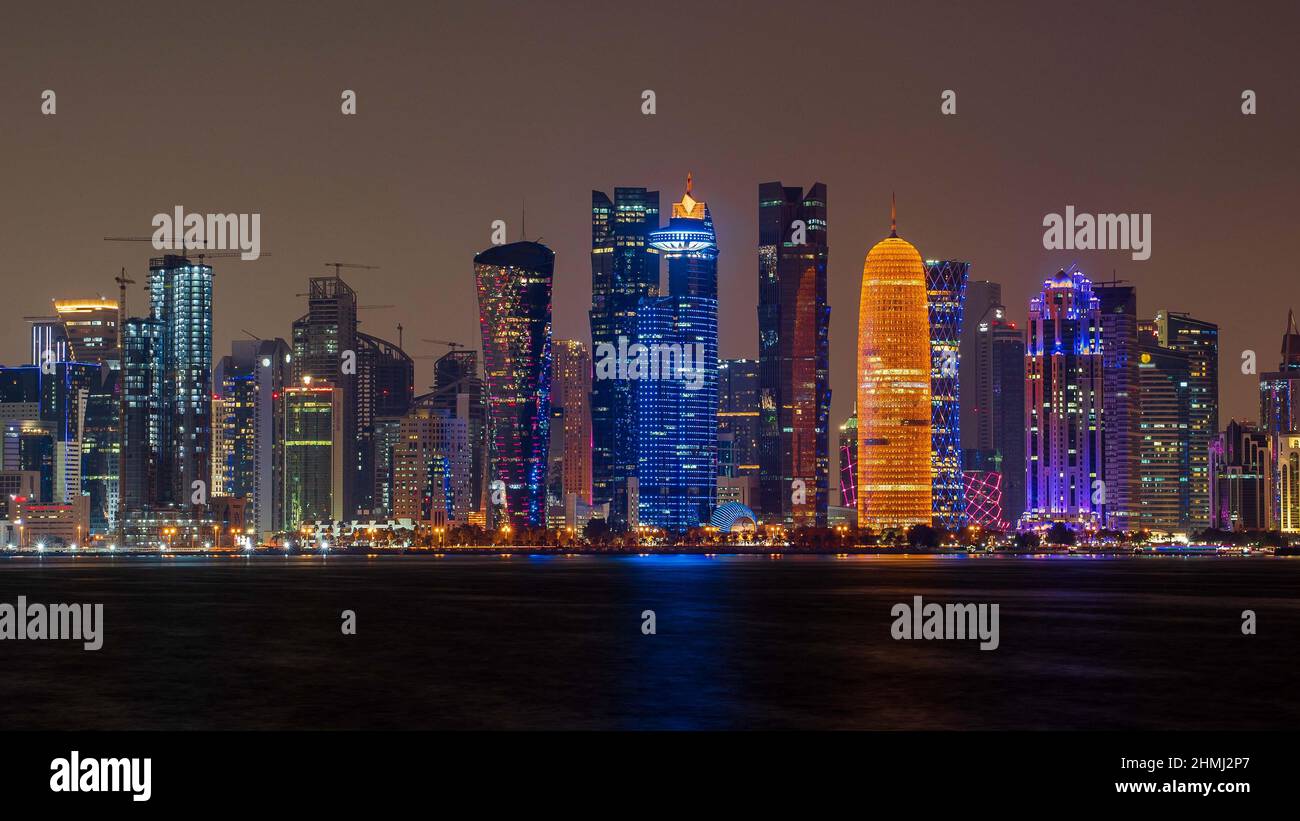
pixel 894 467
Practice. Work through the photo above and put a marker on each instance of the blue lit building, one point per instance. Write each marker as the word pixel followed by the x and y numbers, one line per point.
pixel 1063 402
pixel 945 288
pixel 674 374
pixel 624 270
pixel 180 297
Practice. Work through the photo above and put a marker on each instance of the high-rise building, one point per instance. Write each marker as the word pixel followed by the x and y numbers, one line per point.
pixel 570 448
pixel 738 422
pixel 624 270
pixel 141 438
pixel 1279 405
pixel 180 295
pixel 675 377
pixel 998 365
pixel 90 328
pixel 514 299
pixel 1121 436
pixel 1288 479
pixel 793 354
pixel 983 306
pixel 1063 404
pixel 455 380
pixel 313 454
pixel 431 467
pixel 322 340
pixel 945 283
pixel 849 460
pixel 1241 478
pixel 248 454
pixel 1164 453
pixel 894 415
pixel 385 388
pixel 1200 341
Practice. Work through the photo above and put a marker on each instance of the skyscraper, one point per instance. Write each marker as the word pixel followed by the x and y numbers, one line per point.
pixel 1063 404
pixel 1164 378
pixel 1241 477
pixel 514 299
pixel 624 270
pixel 983 305
pixel 313 454
pixel 431 467
pixel 455 380
pixel 1004 414
pixel 1200 341
pixel 321 338
pixel 248 454
pixel 385 387
pixel 738 422
pixel 945 282
pixel 570 449
pixel 180 296
pixel 1279 406
pixel 894 415
pixel 849 460
pixel 142 414
pixel 1121 437
pixel 676 392
pixel 793 354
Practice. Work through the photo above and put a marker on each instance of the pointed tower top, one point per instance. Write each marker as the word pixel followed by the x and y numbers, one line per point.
pixel 1290 322
pixel 893 215
pixel 688 183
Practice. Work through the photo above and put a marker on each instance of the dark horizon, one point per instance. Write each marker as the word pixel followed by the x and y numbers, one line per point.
pixel 474 113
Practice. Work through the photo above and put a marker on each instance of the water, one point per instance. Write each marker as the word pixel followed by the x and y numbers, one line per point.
pixel 743 642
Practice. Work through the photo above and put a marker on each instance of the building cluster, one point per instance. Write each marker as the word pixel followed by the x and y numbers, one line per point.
pixel 128 430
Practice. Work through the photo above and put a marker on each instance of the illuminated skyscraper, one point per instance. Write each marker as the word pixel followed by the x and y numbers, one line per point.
pixel 313 454
pixel 1063 404
pixel 1164 453
pixel 1121 437
pixel 1241 477
pixel 385 381
pixel 180 295
pixel 1004 351
pixel 945 282
pixel 431 467
pixel 624 270
pixel 894 424
pixel 1279 406
pixel 793 354
pixel 458 389
pixel 570 451
pixel 983 305
pixel 738 410
pixel 320 339
pixel 514 299
pixel 1200 341
pixel 142 413
pixel 676 392
pixel 248 454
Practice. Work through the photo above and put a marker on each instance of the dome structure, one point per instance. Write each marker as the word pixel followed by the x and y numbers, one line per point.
pixel 733 517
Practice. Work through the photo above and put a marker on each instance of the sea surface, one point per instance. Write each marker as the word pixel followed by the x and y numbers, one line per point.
pixel 556 642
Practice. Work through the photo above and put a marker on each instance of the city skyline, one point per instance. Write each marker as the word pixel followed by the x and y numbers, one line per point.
pixel 974 186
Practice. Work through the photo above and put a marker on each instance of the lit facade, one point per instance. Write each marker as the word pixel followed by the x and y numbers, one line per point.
pixel 1063 404
pixel 431 467
pixel 894 413
pixel 1279 404
pixel 1164 452
pixel 248 454
pixel 313 456
pixel 514 298
pixel 458 389
pixel 676 400
pixel 738 420
pixel 793 353
pixel 1121 436
pixel 624 270
pixel 1199 340
pixel 849 460
pixel 570 449
pixel 984 499
pixel 1241 479
pixel 180 296
pixel 945 282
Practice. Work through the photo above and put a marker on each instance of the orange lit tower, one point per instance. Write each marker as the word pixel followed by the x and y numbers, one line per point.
pixel 894 469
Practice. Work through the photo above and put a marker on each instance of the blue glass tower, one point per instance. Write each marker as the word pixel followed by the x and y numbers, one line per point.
pixel 624 270
pixel 673 369
pixel 945 287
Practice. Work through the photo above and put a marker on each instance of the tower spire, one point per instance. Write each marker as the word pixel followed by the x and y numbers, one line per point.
pixel 893 216
pixel 688 183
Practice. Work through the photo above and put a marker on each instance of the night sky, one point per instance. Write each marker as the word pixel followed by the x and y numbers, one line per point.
pixel 468 111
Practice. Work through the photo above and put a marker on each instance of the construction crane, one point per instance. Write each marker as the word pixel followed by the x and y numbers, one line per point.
pixel 337 265
pixel 122 281
pixel 200 253
pixel 447 342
